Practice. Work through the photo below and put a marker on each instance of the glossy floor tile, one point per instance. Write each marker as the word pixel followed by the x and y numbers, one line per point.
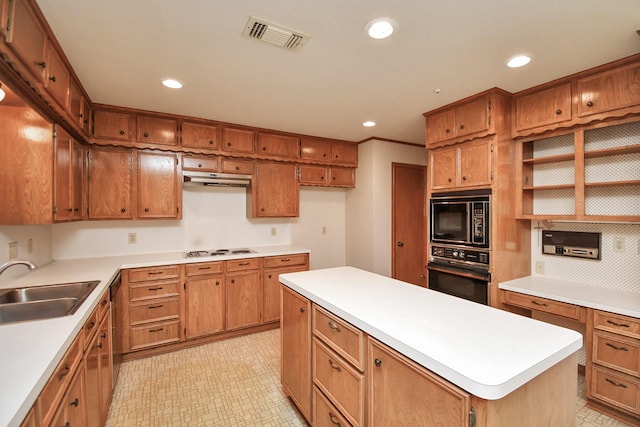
pixel 228 383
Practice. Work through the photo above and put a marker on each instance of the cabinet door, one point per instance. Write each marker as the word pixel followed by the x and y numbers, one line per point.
pixel 296 349
pixel 205 164
pixel 205 305
pixel 111 174
pixel 238 140
pixel 236 166
pixel 200 136
pixel 157 185
pixel 271 292
pixel 344 152
pixel 62 182
pixel 543 108
pixel 440 126
pixel 404 393
pixel 278 145
pixel 342 177
pixel 57 77
pixel 315 149
pixel 77 105
pixel 105 366
pixel 475 163
pixel 4 15
pixel 92 376
pixel 243 300
pixel 72 411
pixel 156 130
pixel 77 195
pixel 27 38
pixel 275 190
pixel 472 117
pixel 609 91
pixel 112 125
pixel 443 167
pixel 314 175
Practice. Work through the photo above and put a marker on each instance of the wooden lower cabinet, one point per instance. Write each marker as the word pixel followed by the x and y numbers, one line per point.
pixel 243 301
pixel 325 414
pixel 72 409
pixel 99 371
pixel 204 298
pixel 273 268
pixel 295 330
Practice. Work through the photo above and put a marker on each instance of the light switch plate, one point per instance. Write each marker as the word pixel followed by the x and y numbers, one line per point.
pixel 13 250
pixel 539 267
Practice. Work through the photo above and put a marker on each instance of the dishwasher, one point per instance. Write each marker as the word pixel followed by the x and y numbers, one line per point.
pixel 116 328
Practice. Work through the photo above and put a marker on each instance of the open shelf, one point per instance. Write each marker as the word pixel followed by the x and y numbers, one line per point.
pixel 549 159
pixel 617 151
pixel 548 187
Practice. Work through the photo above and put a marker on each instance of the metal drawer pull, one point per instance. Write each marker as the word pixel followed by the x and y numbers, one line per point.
pixel 615 383
pixel 155 330
pixel 541 304
pixel 64 372
pixel 75 402
pixel 156 288
pixel 99 346
pixel 204 268
pixel 333 325
pixel 91 325
pixel 616 347
pixel 285 260
pixel 622 325
pixel 154 273
pixel 151 307
pixel 243 264
pixel 334 366
pixel 334 420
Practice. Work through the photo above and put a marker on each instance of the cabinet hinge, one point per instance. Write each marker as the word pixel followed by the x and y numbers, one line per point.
pixel 55 132
pixel 472 417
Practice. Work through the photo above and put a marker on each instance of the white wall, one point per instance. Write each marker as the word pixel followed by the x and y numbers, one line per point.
pixel 369 204
pixel 40 236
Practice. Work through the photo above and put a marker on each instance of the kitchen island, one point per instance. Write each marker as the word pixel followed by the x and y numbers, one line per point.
pixel 502 369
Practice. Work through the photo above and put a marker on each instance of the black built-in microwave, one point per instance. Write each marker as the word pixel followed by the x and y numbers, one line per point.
pixel 460 219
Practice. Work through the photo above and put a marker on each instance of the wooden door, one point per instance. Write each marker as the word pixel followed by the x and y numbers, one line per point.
pixel 275 190
pixel 295 329
pixel 475 163
pixel 443 165
pixel 204 305
pixel 27 38
pixel 403 393
pixel 157 130
pixel 200 136
pixel 440 126
pixel 243 300
pixel 62 182
pixel 111 183
pixel 238 140
pixel 408 223
pixel 157 185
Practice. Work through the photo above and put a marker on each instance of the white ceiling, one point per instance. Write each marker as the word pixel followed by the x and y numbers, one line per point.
pixel 121 49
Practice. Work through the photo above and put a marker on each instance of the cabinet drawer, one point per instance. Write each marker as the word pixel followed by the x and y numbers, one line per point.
pixel 340 336
pixel 243 264
pixel 542 304
pixel 616 323
pixel 57 384
pixel 616 388
pixel 324 413
pixel 104 305
pixel 154 334
pixel 144 291
pixel 154 273
pixel 343 385
pixel 236 166
pixel 153 311
pixel 203 268
pixel 285 260
pixel 617 352
pixel 208 164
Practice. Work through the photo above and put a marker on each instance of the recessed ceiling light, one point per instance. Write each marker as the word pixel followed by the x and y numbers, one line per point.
pixel 519 61
pixel 171 83
pixel 380 28
pixel 368 124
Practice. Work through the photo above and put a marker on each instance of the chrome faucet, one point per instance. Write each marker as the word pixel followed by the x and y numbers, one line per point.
pixel 8 264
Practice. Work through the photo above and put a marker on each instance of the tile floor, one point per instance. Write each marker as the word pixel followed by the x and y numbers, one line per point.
pixel 235 382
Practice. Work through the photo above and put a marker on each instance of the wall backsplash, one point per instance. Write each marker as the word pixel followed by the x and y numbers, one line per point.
pixel 615 270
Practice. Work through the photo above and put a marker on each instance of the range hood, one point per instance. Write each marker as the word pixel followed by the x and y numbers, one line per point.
pixel 215 179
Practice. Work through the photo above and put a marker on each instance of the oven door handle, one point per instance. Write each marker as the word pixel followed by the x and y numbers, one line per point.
pixel 465 272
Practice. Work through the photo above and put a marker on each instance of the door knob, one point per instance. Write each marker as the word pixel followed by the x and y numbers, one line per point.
pixel 400 244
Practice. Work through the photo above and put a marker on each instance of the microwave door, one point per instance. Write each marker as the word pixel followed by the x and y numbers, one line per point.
pixel 450 222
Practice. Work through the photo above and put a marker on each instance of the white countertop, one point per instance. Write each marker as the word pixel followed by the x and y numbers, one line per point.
pixel 30 351
pixel 483 350
pixel 611 300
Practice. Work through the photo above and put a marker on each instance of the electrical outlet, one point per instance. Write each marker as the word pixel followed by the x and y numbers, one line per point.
pixel 274 231
pixel 30 246
pixel 539 267
pixel 13 250
pixel 324 229
pixel 133 238
pixel 618 244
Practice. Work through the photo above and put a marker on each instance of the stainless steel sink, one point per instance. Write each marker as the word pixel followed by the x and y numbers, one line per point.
pixel 43 302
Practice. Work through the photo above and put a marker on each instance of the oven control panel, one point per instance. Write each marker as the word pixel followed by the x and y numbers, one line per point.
pixel 460 254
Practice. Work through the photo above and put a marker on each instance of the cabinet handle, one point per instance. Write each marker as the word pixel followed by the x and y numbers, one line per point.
pixel 615 383
pixel 590 104
pixel 155 330
pixel 233 280
pixel 449 179
pixel 67 424
pixel 269 276
pixel 244 264
pixel 151 307
pixel 285 260
pixel 91 325
pixel 146 209
pixel 334 420
pixel 622 325
pixel 52 78
pixel 334 366
pixel 217 283
pixel 104 302
pixel 69 210
pixel 400 244
pixel 558 111
pixel 447 131
pixel 464 178
pixel 42 64
pixel 302 309
pixel 123 210
pixel 264 148
pixel 324 155
pixel 615 347
pixel 199 165
pixel 541 304
pixel 121 132
pixel 228 144
pixel 461 126
pixel 103 335
pixel 64 372
pixel 237 168
pixel 75 402
pixel 99 346
pixel 211 142
pixel 154 273
pixel 377 362
pixel 146 135
pixel 155 289
pixel 333 325
pixel 204 268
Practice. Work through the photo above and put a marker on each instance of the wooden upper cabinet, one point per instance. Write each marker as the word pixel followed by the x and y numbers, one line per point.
pixel 57 77
pixel 111 183
pixel 441 126
pixel 313 175
pixel 472 117
pixel 275 190
pixel 546 107
pixel 315 149
pixel 238 140
pixel 78 106
pixel 157 130
pixel 274 145
pixel 344 153
pixel 463 165
pixel 342 177
pixel 466 118
pixel 442 165
pixel 202 163
pixel 27 38
pixel 158 185
pixel 611 90
pixel 69 173
pixel 236 166
pixel 4 16
pixel 113 125
pixel 195 135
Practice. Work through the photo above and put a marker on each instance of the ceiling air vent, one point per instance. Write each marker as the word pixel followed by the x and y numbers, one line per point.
pixel 275 34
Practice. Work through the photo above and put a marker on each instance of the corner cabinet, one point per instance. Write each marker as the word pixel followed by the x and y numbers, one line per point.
pixel 275 191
